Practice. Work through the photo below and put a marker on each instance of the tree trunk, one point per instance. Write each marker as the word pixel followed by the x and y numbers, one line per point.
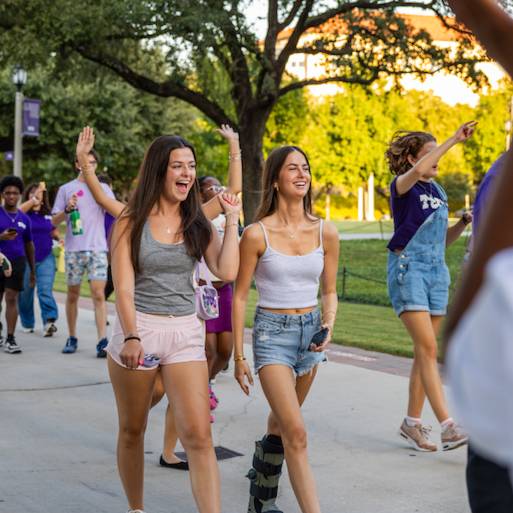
pixel 251 141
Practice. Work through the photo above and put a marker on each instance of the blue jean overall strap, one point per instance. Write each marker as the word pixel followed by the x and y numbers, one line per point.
pixel 429 240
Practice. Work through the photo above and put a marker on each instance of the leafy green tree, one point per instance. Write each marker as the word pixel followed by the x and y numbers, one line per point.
pixel 191 50
pixel 125 120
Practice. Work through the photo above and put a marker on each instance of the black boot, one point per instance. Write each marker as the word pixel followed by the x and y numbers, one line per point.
pixel 265 475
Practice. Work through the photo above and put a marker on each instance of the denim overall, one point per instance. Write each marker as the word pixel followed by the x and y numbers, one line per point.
pixel 418 277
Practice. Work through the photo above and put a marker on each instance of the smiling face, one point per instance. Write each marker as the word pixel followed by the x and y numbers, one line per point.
pixel 427 148
pixel 180 176
pixel 294 179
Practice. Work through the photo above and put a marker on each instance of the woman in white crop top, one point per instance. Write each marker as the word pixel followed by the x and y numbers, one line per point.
pixel 289 252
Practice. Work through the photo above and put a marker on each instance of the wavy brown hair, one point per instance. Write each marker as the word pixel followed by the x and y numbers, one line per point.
pixel 269 195
pixel 405 143
pixel 45 204
pixel 150 185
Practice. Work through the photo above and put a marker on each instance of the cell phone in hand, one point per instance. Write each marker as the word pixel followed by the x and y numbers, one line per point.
pixel 12 230
pixel 150 360
pixel 320 337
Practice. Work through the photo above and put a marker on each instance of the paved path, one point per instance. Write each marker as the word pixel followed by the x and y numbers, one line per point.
pixel 58 425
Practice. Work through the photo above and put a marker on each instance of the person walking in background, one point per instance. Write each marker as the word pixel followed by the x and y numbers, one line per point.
pixel 418 278
pixel 44 232
pixel 219 341
pixel 16 244
pixel 288 251
pixel 86 252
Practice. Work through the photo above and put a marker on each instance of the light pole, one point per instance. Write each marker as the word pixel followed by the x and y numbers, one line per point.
pixel 19 79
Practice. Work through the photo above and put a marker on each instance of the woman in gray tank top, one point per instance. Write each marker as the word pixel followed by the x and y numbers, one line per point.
pixel 289 252
pixel 155 246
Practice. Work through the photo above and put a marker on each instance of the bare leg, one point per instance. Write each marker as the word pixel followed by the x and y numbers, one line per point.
pixel 72 308
pixel 211 351
pixel 186 386
pixel 170 435
pixel 422 330
pixel 100 307
pixel 224 348
pixel 133 391
pixel 417 394
pixel 279 387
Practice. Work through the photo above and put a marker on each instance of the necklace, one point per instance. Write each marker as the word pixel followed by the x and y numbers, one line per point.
pixel 291 234
pixel 430 193
pixel 13 219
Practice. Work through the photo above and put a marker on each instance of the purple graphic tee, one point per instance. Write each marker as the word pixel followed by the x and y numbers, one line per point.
pixel 411 210
pixel 15 248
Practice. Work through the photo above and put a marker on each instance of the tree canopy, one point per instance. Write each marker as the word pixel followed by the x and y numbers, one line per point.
pixel 206 53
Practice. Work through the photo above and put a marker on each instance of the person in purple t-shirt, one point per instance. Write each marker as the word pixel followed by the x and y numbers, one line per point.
pixel 44 232
pixel 16 244
pixel 418 277
pixel 85 253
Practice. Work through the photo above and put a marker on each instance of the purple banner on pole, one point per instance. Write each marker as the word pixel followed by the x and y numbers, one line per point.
pixel 31 110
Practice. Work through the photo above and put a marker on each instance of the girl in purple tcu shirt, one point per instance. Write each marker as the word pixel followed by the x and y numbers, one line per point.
pixel 418 278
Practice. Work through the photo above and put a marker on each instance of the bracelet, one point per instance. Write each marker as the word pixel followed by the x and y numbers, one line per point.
pixel 234 156
pixel 132 337
pixel 231 224
pixel 465 221
pixel 239 358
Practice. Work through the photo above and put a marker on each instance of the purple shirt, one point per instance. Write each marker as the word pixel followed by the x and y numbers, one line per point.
pixel 109 221
pixel 484 190
pixel 411 210
pixel 91 215
pixel 42 229
pixel 15 248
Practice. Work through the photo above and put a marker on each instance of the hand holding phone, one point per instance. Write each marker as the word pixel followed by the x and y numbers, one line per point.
pixel 320 337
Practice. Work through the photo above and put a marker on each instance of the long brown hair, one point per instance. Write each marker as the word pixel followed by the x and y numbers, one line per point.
pixel 269 198
pixel 405 143
pixel 45 204
pixel 150 184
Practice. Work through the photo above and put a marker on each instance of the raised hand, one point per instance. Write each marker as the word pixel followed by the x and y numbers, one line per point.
pixel 465 131
pixel 85 142
pixel 229 134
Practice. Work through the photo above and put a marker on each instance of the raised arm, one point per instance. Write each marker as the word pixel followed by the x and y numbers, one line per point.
pixel 251 245
pixel 407 180
pixel 84 146
pixel 223 259
pixel 234 159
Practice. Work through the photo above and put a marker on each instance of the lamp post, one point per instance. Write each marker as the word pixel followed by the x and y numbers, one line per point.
pixel 19 79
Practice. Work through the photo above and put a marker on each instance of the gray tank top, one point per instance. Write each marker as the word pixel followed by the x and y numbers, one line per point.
pixel 164 285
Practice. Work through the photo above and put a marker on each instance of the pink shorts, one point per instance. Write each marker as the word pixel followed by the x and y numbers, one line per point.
pixel 172 339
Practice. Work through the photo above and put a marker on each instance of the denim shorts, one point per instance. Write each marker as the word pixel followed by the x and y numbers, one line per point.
pixel 418 283
pixel 284 339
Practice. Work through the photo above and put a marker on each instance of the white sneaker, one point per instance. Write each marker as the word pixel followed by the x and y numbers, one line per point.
pixel 135 511
pixel 49 329
pixel 27 330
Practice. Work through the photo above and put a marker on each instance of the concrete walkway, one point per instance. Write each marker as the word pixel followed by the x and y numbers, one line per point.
pixel 58 424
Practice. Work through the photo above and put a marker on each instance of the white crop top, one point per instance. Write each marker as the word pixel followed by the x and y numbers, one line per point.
pixel 289 281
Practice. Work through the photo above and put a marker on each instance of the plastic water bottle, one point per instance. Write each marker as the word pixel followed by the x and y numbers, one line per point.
pixel 76 222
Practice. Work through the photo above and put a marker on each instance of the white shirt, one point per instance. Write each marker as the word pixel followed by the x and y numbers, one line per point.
pixel 480 364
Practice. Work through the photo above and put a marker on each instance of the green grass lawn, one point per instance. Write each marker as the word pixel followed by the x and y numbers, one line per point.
pixel 365 317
